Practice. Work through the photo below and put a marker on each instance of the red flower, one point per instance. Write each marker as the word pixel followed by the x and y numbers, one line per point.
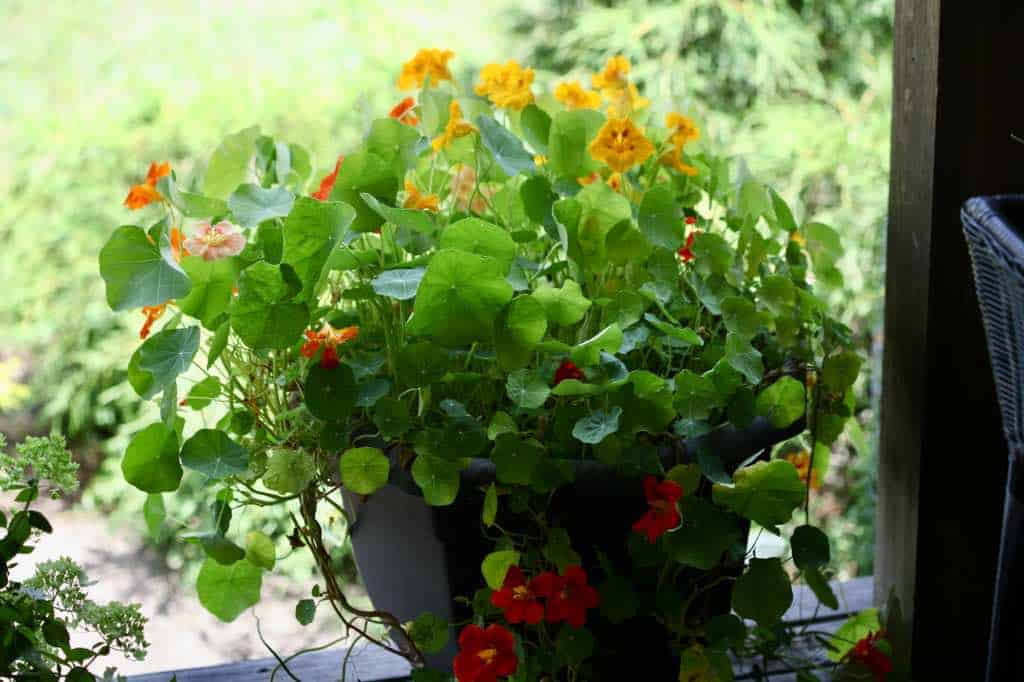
pixel 518 598
pixel 329 339
pixel 485 655
pixel 686 252
pixel 568 370
pixel 663 515
pixel 867 653
pixel 327 184
pixel 403 112
pixel 568 596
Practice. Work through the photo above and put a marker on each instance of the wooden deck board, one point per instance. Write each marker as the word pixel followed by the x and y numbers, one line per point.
pixel 371 664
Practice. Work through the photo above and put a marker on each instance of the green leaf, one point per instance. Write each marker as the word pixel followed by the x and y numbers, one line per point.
pixel 289 471
pixel 216 546
pixel 137 273
pixel 763 593
pixel 259 550
pixel 365 172
pixel 558 549
pixel 421 363
pixel 151 461
pixel 740 317
pixel 574 645
pixel 364 470
pixel 601 209
pixel 516 459
pixel 394 143
pixel 660 218
pixel 429 632
pixel 229 164
pixel 400 284
pixel 460 296
pixel 753 199
pixel 526 389
pixel 712 254
pixel 203 393
pixel 684 334
pixel 574 387
pixel 517 331
pixel 438 479
pixel 570 134
pixel 263 315
pixel 743 357
pixel 810 547
pixel 619 601
pixel 473 235
pixel 705 534
pixel 856 628
pixel 536 125
pixel 495 565
pixel 777 293
pixel 218 343
pixel 783 402
pixel 190 204
pixel 251 204
pixel 161 358
pixel 597 425
pixel 820 587
pixel 695 397
pixel 391 417
pixel 626 244
pixel 783 216
pixel 305 611
pixel 507 149
pixel 154 512
pixel 310 232
pixel 212 286
pixel 588 353
pixel 840 371
pixel 490 509
pixel 227 591
pixel 764 492
pixel 331 393
pixel 564 306
pixel 211 452
pixel 412 219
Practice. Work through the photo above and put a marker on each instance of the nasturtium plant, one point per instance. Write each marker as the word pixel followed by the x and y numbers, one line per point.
pixel 491 299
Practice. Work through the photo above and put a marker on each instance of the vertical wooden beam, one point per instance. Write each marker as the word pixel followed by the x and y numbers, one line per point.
pixel 958 95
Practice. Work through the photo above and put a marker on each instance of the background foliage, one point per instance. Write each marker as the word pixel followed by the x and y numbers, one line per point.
pixel 800 88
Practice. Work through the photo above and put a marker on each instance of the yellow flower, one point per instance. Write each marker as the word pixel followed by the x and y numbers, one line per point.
pixel 620 144
pixel 624 101
pixel 428 63
pixel 673 158
pixel 614 74
pixel 798 238
pixel 574 96
pixel 615 181
pixel 507 85
pixel 456 127
pixel 421 202
pixel 683 128
pixel 540 159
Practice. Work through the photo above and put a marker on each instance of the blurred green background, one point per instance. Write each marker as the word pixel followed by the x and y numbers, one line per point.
pixel 797 90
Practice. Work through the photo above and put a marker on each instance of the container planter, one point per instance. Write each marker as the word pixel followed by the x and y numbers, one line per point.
pixel 415 559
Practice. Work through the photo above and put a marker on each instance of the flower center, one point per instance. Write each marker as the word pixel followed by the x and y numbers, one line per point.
pixel 215 238
pixel 520 592
pixel 487 655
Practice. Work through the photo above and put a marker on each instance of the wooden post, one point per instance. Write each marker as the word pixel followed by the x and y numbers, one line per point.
pixel 958 96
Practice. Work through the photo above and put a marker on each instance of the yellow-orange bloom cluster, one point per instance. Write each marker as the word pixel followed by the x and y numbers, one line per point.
pixel 429 64
pixel 575 96
pixel 622 96
pixel 145 193
pixel 682 130
pixel 621 144
pixel 614 75
pixel 801 459
pixel 455 128
pixel 506 85
pixel 421 202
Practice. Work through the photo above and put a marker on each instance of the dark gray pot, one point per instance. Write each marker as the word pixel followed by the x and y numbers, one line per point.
pixel 415 558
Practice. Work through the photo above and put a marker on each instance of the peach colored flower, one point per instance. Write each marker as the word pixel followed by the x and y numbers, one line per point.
pixel 214 242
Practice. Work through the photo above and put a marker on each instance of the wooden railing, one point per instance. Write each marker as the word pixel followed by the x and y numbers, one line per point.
pixel 371 664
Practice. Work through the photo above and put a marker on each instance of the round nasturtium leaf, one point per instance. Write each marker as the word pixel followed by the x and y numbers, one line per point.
pixel 764 492
pixel 596 426
pixel 515 459
pixel 707 532
pixel 151 460
pixel 480 237
pixel 564 306
pixel 137 273
pixel 810 547
pixel 331 393
pixel 364 470
pixel 391 417
pixel 526 389
pixel 763 593
pixel 783 402
pixel 264 314
pixel 259 549
pixel 289 471
pixel 496 564
pixel 227 591
pixel 211 452
pixel 429 632
pixel 438 479
pixel 421 363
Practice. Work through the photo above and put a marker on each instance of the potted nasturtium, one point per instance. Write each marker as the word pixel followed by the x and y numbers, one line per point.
pixel 538 350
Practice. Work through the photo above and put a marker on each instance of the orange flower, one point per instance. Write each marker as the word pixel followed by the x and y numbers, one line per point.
pixel 589 179
pixel 145 193
pixel 428 65
pixel 403 112
pixel 614 75
pixel 507 85
pixel 574 96
pixel 621 144
pixel 683 128
pixel 327 183
pixel 329 338
pixel 420 202
pixel 673 158
pixel 615 181
pixel 152 313
pixel 178 249
pixel 455 128
pixel 801 459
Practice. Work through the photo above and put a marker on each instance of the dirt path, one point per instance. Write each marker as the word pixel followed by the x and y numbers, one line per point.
pixel 181 633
